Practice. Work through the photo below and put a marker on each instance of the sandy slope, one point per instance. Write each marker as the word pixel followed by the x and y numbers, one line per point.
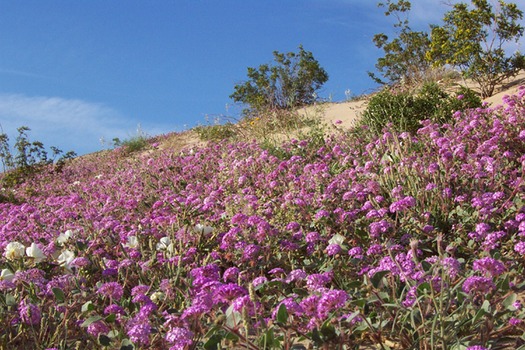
pixel 345 112
pixel 349 112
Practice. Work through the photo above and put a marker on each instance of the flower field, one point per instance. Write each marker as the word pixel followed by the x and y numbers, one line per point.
pixel 396 241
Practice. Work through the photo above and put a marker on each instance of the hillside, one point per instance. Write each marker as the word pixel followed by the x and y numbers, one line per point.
pixel 334 238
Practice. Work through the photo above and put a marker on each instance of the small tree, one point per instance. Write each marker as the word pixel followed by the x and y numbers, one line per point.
pixel 291 82
pixel 404 58
pixel 474 39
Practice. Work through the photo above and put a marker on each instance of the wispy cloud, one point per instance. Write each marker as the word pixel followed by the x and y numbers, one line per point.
pixel 70 124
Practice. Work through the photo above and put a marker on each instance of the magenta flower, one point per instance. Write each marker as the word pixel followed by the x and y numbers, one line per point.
pixel 181 338
pixel 489 266
pixel 333 249
pixel 482 285
pixel 111 290
pixel 330 301
pixel 29 313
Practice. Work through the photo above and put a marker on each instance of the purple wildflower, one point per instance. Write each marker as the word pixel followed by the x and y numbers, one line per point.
pixel 489 266
pixel 330 301
pixel 333 249
pixel 374 249
pixel 318 280
pixel 97 328
pixel 227 292
pixel 259 280
pixel 411 297
pixel 111 290
pixel 29 313
pixel 514 321
pixel 230 275
pixel 292 307
pixel 139 331
pixel 356 252
pixel 296 275
pixel 478 284
pixel 251 252
pixel 520 247
pixel 181 338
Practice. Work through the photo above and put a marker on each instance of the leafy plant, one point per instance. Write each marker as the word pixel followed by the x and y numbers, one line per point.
pixel 216 132
pixel 292 81
pixel 404 110
pixel 474 40
pixel 134 143
pixel 404 59
pixel 29 157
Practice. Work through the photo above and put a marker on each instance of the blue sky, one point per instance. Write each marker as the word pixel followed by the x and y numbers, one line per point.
pixel 78 71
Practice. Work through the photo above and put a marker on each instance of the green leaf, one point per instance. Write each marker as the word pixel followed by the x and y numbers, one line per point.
pixel 354 285
pixel 90 320
pixel 88 306
pixel 377 278
pixel 213 342
pixel 282 314
pixel 504 284
pixel 298 347
pixel 104 340
pixel 426 266
pixel 316 337
pixel 485 307
pixel 59 294
pixel 359 302
pixel 10 300
pixel 328 331
pixel 423 288
pixel 509 301
pixel 113 334
pixel 126 344
pixel 268 339
pixel 110 318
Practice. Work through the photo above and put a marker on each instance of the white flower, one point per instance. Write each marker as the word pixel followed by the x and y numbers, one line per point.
pixel 199 228
pixel 65 258
pixel 7 275
pixel 133 242
pixel 33 251
pixel 157 296
pixel 64 237
pixel 165 244
pixel 337 239
pixel 14 250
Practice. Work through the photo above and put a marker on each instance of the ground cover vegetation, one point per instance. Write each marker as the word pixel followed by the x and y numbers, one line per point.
pixel 391 238
pixel 402 233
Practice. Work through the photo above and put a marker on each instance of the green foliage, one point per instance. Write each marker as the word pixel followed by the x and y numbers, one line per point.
pixel 133 144
pixel 404 58
pixel 30 157
pixel 474 40
pixel 403 111
pixel 291 82
pixel 215 132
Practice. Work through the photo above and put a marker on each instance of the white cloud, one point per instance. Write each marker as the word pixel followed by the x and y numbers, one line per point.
pixel 69 124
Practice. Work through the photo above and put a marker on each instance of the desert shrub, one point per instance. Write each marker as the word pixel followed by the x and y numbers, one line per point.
pixel 404 56
pixel 30 158
pixel 404 110
pixel 215 132
pixel 134 143
pixel 292 81
pixel 475 39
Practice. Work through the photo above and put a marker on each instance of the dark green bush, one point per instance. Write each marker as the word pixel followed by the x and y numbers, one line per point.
pixel 403 111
